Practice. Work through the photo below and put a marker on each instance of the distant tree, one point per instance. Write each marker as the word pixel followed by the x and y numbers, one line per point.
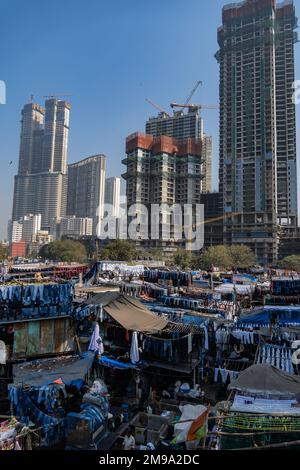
pixel 119 250
pixel 242 256
pixel 64 250
pixel 218 256
pixel 153 253
pixel 3 253
pixel 183 258
pixel 196 262
pixel 290 262
pixel 91 247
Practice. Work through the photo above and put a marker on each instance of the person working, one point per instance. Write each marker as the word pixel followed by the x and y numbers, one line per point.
pixel 129 441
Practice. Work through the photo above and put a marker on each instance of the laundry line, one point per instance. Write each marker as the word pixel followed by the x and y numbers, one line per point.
pixel 169 339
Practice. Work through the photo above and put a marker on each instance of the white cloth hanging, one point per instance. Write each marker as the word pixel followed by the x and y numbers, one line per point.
pixel 206 344
pixel 3 353
pixel 96 343
pixel 134 349
pixel 190 343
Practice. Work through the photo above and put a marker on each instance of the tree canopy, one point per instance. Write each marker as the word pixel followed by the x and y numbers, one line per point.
pixel 290 262
pixel 3 253
pixel 153 253
pixel 241 256
pixel 183 258
pixel 119 250
pixel 217 256
pixel 64 250
pixel 226 257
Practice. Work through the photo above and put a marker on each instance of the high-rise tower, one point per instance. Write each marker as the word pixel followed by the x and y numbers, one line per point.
pixel 257 123
pixel 162 172
pixel 41 182
pixel 181 126
pixel 112 194
pixel 86 190
pixel 55 141
pixel 32 125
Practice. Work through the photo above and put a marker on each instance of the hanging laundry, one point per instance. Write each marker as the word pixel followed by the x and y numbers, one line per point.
pixel 179 278
pixel 36 300
pixel 206 342
pixel 134 349
pixel 277 356
pixel 190 343
pixel 225 374
pixel 3 353
pixel 96 343
pixel 245 336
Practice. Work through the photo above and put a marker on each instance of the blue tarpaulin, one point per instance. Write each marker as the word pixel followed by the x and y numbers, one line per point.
pixel 244 277
pixel 283 314
pixel 106 361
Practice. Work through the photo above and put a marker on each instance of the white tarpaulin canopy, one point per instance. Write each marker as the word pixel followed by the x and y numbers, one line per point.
pixel 228 288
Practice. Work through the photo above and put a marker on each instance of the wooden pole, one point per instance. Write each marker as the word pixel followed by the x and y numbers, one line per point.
pixel 78 344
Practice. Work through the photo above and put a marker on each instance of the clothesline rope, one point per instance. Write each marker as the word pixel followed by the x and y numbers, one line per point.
pixel 169 339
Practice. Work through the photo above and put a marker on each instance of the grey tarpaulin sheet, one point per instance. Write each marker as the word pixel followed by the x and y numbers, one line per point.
pixel 42 372
pixel 102 298
pixel 266 379
pixel 128 312
pixel 134 316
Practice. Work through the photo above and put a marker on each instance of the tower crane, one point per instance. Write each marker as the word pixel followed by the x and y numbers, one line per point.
pixel 156 106
pixel 58 95
pixel 193 92
pixel 186 104
pixel 195 107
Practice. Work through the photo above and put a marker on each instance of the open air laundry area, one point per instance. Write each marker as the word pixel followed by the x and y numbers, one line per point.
pixel 133 358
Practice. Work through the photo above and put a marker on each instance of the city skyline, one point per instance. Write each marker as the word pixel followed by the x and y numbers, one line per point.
pixel 100 120
pixel 149 228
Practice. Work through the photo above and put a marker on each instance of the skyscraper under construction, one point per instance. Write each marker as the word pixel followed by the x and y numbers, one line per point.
pixel 186 125
pixel 162 171
pixel 257 123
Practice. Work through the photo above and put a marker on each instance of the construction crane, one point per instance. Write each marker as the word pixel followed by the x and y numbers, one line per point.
pixel 58 95
pixel 193 92
pixel 186 104
pixel 156 106
pixel 195 107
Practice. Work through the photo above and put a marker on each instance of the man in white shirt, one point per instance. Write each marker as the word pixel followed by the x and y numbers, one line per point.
pixel 129 441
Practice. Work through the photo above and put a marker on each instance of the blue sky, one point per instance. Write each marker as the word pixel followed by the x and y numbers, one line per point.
pixel 109 55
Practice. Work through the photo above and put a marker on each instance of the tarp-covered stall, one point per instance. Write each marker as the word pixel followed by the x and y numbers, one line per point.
pixel 264 411
pixel 128 312
pixel 40 393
